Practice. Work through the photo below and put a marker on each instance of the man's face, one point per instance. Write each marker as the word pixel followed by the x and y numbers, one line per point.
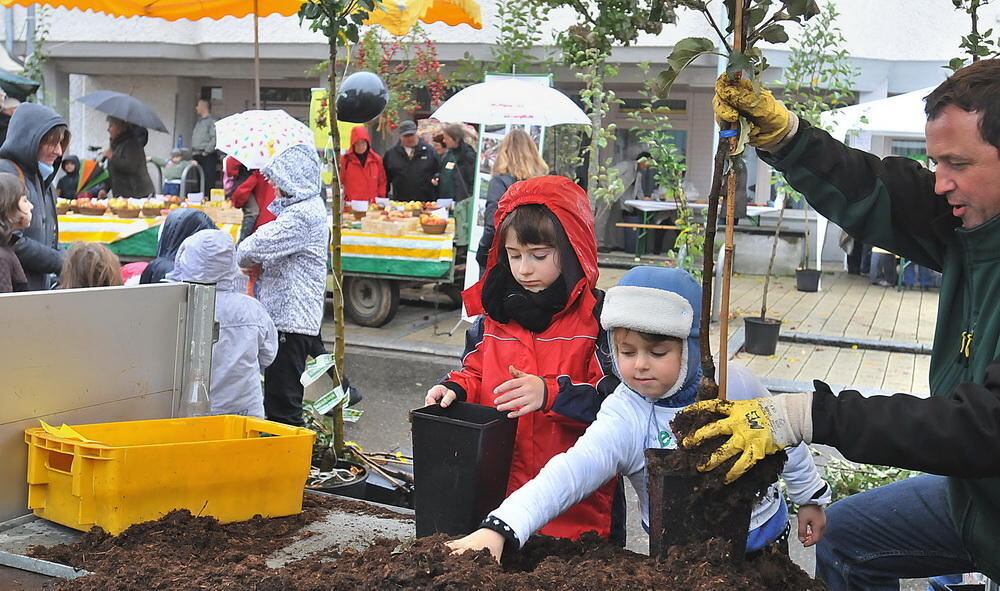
pixel 409 141
pixel 201 108
pixel 968 168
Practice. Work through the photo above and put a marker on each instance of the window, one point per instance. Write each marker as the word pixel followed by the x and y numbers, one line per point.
pixel 909 148
pixel 283 95
pixel 627 142
pixel 666 106
pixel 212 94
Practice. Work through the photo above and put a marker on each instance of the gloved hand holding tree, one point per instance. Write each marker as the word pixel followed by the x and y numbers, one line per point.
pixel 770 121
pixel 757 428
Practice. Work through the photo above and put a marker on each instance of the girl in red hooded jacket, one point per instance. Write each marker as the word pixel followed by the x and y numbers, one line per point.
pixel 537 349
pixel 362 175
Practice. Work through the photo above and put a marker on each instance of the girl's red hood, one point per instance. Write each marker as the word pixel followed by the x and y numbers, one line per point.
pixel 571 206
pixel 360 133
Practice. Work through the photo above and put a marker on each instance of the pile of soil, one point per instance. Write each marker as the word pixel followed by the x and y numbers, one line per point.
pixel 182 552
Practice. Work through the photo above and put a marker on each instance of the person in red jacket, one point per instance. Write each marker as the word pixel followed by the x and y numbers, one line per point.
pixel 250 192
pixel 537 349
pixel 362 175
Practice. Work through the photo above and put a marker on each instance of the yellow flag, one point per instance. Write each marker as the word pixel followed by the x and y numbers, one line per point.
pixel 66 432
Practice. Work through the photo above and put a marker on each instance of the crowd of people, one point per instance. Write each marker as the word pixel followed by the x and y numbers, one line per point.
pixel 596 378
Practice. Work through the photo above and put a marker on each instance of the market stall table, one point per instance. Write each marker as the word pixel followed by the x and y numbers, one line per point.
pixel 130 238
pixel 377 265
pixel 412 255
pixel 650 208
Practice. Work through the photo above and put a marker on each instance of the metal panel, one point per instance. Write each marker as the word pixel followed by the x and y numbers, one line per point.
pixel 84 356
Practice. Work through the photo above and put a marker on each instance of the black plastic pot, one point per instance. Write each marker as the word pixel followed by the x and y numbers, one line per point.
pixel 680 514
pixel 761 335
pixel 355 488
pixel 461 462
pixel 807 279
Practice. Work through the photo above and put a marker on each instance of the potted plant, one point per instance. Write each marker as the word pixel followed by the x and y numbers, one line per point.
pixel 806 279
pixel 761 331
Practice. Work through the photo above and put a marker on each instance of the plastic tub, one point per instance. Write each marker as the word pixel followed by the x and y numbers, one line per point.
pixel 229 467
pixel 461 462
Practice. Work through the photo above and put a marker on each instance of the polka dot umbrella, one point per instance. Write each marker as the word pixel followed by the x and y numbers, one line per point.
pixel 256 137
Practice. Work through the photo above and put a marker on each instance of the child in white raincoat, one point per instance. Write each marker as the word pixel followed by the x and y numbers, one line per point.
pixel 248 340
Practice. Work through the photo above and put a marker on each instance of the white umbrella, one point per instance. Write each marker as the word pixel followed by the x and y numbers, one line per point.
pixel 511 101
pixel 256 137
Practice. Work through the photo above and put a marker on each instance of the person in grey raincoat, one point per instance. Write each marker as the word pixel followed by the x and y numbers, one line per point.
pixel 638 182
pixel 248 340
pixel 36 140
pixel 292 254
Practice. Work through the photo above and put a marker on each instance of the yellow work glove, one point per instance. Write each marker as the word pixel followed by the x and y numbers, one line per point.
pixel 757 428
pixel 770 121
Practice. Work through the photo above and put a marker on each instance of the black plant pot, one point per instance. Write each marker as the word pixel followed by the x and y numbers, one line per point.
pixel 461 462
pixel 807 279
pixel 354 488
pixel 680 513
pixel 761 335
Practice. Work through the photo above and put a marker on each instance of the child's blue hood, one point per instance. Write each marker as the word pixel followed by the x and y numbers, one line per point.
pixel 667 302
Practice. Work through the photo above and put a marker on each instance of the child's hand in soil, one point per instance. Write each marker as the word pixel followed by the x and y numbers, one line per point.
pixel 477 540
pixel 440 395
pixel 522 394
pixel 812 524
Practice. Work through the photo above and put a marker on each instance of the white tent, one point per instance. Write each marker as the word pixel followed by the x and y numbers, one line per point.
pixel 898 116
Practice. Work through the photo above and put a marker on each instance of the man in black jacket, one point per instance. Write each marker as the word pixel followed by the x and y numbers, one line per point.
pixel 947 521
pixel 411 167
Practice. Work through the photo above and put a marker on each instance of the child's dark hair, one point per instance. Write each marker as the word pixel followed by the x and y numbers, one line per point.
pixel 11 190
pixel 90 265
pixel 653 338
pixel 532 224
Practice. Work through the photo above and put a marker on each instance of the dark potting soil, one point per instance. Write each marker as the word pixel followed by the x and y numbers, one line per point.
pixel 748 487
pixel 181 552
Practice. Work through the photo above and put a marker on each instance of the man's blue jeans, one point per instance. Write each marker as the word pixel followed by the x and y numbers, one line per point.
pixel 901 530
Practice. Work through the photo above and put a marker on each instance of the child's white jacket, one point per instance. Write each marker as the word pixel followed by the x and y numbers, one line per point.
pixel 615 443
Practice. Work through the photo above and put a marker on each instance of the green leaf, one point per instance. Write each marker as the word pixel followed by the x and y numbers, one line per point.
pixel 740 62
pixel 955 64
pixel 731 14
pixel 351 31
pixel 687 50
pixel 758 14
pixel 664 81
pixel 801 8
pixel 744 137
pixel 774 34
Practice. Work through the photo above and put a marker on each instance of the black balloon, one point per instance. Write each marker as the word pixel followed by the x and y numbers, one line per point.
pixel 362 97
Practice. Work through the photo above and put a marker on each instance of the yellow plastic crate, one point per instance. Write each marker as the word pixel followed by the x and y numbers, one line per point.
pixel 229 467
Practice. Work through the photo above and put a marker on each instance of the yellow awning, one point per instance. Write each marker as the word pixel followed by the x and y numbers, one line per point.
pixel 399 16
pixel 173 9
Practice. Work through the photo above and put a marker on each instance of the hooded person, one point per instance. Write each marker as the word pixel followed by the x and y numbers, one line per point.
pixel 36 140
pixel 181 223
pixel 538 332
pixel 127 159
pixel 362 174
pixel 652 321
pixel 66 187
pixel 292 254
pixel 248 340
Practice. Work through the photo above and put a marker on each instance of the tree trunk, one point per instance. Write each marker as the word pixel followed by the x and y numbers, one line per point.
pixel 596 118
pixel 337 208
pixel 770 263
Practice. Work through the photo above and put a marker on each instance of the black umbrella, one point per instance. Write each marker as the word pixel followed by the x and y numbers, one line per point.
pixel 124 107
pixel 17 86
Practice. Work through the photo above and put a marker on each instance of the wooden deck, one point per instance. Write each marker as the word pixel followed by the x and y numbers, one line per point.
pixel 851 308
pixel 847 305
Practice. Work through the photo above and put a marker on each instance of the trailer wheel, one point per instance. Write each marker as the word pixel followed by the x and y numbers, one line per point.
pixel 369 301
